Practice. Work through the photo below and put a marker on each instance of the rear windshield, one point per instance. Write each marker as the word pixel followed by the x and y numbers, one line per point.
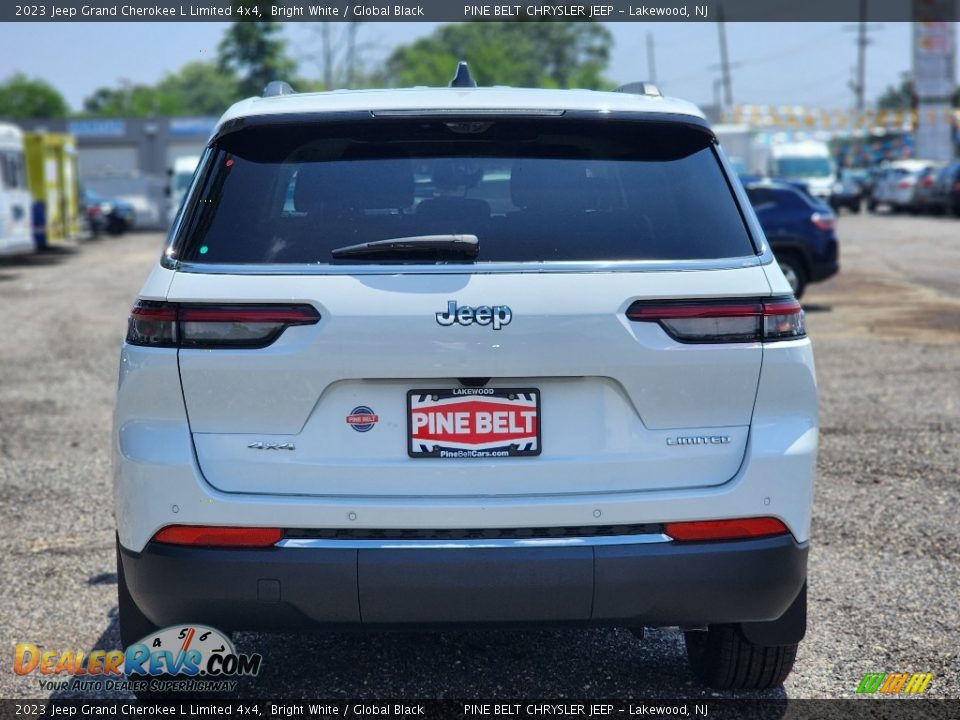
pixel 530 191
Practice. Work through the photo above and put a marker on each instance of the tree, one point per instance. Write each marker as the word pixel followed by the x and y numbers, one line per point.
pixel 254 50
pixel 200 88
pixel 530 53
pixel 130 100
pixel 902 96
pixel 340 58
pixel 898 97
pixel 22 97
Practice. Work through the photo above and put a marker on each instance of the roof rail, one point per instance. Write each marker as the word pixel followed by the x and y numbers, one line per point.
pixel 276 88
pixel 462 78
pixel 640 88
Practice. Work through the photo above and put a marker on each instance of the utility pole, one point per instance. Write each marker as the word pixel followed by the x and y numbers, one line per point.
pixel 725 60
pixel 651 60
pixel 863 30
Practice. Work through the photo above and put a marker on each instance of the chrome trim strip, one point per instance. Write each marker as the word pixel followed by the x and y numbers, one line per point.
pixel 310 543
pixel 486 268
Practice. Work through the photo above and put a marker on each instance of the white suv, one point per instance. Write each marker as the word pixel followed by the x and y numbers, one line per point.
pixel 469 355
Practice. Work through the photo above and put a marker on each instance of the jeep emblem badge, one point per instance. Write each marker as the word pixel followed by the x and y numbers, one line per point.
pixel 495 315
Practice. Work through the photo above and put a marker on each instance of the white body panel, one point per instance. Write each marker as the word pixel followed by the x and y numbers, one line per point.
pixel 158 481
pixel 768 468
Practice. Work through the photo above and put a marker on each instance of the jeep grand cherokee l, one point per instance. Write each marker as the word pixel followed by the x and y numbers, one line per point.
pixel 440 356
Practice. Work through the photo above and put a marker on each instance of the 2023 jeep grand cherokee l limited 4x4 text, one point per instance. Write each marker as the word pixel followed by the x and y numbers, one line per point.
pixel 469 355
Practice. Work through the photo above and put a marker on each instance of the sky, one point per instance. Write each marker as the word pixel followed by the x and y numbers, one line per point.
pixel 809 64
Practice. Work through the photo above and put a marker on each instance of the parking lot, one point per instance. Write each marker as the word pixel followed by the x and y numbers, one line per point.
pixel 885 557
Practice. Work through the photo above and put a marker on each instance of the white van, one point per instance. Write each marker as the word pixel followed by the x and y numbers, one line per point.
pixel 16 230
pixel 181 174
pixel 808 162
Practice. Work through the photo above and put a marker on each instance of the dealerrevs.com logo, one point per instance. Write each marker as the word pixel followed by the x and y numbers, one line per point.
pixel 189 658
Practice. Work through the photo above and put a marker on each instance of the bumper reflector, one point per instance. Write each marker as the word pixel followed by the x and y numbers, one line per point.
pixel 738 529
pixel 211 536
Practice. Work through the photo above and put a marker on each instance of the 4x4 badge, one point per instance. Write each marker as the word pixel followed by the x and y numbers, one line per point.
pixel 272 446
pixel 495 315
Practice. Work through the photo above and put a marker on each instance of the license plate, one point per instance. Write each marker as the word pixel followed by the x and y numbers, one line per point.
pixel 481 423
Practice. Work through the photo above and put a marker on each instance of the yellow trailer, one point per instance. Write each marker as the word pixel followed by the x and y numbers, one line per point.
pixel 52 172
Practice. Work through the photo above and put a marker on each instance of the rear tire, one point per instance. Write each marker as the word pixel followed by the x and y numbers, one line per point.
pixel 721 658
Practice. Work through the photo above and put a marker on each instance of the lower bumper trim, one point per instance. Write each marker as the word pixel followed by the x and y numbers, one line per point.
pixel 651 582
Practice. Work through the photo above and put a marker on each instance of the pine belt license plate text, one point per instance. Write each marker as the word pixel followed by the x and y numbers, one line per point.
pixel 473 423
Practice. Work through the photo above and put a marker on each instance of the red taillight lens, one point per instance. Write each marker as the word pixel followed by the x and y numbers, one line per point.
pixel 724 321
pixel 152 323
pixel 209 536
pixel 214 326
pixel 824 221
pixel 904 184
pixel 240 326
pixel 738 529
pixel 927 182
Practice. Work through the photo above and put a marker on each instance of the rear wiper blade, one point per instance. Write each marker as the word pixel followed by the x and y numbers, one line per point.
pixel 458 245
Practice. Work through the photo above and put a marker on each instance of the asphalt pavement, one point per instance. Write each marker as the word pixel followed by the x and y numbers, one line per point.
pixel 885 550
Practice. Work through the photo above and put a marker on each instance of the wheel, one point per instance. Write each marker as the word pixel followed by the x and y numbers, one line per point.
pixel 794 272
pixel 723 659
pixel 871 206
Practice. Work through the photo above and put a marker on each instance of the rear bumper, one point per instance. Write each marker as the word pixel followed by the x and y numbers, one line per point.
pixel 284 589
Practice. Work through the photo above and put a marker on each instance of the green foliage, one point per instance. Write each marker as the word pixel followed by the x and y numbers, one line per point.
pixel 524 54
pixel 198 88
pixel 897 97
pixel 254 51
pixel 129 101
pixel 201 88
pixel 901 97
pixel 22 97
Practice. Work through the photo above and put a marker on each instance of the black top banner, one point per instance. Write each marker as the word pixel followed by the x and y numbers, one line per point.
pixel 505 10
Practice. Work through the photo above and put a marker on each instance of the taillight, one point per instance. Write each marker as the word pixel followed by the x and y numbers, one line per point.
pixel 724 321
pixel 927 182
pixel 956 186
pixel 159 324
pixel 152 323
pixel 739 529
pixel 904 184
pixel 210 536
pixel 824 221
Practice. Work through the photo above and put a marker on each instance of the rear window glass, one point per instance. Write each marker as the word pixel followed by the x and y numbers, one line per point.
pixel 560 190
